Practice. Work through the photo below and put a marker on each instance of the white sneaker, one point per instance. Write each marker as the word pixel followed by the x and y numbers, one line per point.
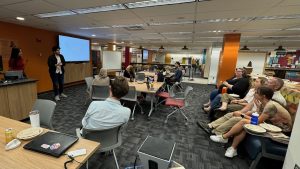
pixel 57 98
pixel 218 139
pixel 231 152
pixel 63 95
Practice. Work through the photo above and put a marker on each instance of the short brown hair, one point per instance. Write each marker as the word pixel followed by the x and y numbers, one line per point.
pixel 279 83
pixel 266 91
pixel 263 80
pixel 119 87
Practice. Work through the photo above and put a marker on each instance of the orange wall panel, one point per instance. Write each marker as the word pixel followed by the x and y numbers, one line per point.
pixel 228 59
pixel 36 45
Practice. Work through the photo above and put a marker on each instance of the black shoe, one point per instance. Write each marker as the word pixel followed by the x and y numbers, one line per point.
pixel 204 126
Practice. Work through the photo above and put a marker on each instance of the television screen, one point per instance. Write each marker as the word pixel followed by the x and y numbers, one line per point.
pixel 145 55
pixel 74 49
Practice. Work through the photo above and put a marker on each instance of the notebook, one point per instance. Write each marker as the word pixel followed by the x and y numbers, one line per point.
pixel 51 143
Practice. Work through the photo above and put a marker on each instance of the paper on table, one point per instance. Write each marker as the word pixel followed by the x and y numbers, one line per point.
pixel 278 135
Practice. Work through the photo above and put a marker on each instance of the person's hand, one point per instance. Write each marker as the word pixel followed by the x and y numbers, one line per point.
pixel 225 83
pixel 257 103
pixel 237 114
pixel 234 101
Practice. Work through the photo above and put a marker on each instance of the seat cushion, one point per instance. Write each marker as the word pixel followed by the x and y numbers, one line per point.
pixel 275 148
pixel 174 102
pixel 252 145
pixel 163 94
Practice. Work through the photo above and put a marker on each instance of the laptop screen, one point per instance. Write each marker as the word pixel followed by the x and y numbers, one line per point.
pixel 51 143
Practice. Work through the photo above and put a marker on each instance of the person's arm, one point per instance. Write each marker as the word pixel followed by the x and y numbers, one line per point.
pixel 51 62
pixel 248 107
pixel 63 61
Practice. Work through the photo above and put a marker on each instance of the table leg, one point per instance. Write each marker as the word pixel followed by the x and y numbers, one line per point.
pixel 151 109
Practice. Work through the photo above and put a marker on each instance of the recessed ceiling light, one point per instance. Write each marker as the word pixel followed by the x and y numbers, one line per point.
pixel 54 14
pixel 93 35
pixel 126 26
pixel 95 43
pixel 96 27
pixel 20 18
pixel 150 3
pixel 171 23
pixel 99 9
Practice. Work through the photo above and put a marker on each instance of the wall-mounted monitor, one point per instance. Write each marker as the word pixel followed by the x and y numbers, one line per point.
pixel 145 55
pixel 74 49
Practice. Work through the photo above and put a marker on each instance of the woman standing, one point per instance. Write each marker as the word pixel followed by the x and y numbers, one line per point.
pixel 16 61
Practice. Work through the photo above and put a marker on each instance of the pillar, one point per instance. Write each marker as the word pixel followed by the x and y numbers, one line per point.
pixel 228 59
pixel 127 56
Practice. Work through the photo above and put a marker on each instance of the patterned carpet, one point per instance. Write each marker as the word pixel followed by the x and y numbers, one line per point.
pixel 193 148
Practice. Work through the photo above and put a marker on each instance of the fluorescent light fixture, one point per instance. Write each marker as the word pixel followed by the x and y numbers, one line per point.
pixel 96 27
pixel 169 33
pixel 55 14
pixel 99 9
pixel 93 35
pixel 293 29
pixel 95 43
pixel 170 23
pixel 225 20
pixel 150 3
pixel 296 16
pixel 20 18
pixel 126 26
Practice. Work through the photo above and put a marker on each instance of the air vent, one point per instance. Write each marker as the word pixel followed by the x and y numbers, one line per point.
pixel 134 28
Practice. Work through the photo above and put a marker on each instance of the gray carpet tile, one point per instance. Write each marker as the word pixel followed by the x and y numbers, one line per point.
pixel 193 148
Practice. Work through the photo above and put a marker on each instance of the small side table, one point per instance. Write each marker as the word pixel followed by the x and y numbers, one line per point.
pixel 156 153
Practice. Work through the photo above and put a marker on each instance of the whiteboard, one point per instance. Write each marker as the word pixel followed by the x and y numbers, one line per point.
pixel 112 60
pixel 257 59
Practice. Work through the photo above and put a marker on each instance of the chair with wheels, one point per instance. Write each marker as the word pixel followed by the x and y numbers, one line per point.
pixel 179 104
pixel 132 96
pixel 46 109
pixel 88 82
pixel 100 92
pixel 109 139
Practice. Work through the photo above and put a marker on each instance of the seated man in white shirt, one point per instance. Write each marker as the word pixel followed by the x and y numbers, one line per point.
pixel 109 113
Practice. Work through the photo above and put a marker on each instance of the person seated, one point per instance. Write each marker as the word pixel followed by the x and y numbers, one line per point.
pixel 102 79
pixel 270 111
pixel 227 121
pixel 129 72
pixel 239 85
pixel 161 72
pixel 238 104
pixel 176 77
pixel 109 113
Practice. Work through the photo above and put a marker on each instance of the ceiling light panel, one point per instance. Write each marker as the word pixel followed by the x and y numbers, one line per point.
pixel 126 26
pixel 99 9
pixel 95 27
pixel 170 23
pixel 55 14
pixel 151 3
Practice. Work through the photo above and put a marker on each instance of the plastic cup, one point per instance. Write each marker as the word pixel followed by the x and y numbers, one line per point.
pixel 34 118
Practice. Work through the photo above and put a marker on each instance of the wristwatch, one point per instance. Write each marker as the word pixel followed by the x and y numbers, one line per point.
pixel 243 115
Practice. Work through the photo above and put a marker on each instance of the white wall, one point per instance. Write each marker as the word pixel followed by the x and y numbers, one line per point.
pixel 178 57
pixel 293 153
pixel 257 59
pixel 214 65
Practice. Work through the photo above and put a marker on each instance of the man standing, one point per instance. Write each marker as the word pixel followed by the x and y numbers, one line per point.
pixel 56 63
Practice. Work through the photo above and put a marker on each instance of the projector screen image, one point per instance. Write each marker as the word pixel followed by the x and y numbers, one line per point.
pixel 74 49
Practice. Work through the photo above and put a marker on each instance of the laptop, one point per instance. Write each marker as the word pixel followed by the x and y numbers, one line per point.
pixel 51 143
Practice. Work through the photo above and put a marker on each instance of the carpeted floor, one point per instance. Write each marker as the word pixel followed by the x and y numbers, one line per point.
pixel 193 148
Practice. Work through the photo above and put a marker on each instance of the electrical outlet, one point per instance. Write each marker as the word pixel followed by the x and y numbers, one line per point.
pixel 296 166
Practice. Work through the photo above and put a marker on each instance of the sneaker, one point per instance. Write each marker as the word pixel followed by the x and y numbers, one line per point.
pixel 204 127
pixel 230 152
pixel 218 139
pixel 63 95
pixel 57 98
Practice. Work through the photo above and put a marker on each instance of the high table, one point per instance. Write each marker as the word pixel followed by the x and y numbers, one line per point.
pixel 142 87
pixel 21 158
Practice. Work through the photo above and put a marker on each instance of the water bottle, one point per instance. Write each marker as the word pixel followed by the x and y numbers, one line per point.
pixel 224 90
pixel 155 77
pixel 254 118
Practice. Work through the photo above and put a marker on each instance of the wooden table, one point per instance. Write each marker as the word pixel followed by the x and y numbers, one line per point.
pixel 21 158
pixel 151 74
pixel 142 87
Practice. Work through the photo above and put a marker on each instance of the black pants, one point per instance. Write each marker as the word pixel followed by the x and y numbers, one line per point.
pixel 57 82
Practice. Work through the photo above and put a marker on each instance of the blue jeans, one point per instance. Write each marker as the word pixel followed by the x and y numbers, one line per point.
pixel 213 94
pixel 215 98
pixel 58 83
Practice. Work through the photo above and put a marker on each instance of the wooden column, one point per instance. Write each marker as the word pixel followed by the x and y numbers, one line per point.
pixel 228 59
